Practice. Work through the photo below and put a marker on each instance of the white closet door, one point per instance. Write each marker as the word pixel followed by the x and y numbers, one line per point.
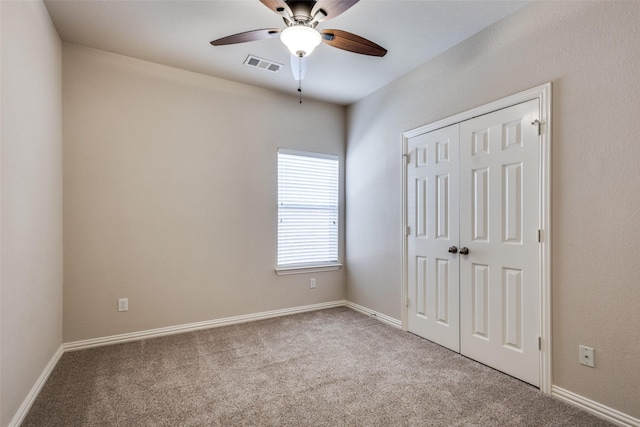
pixel 499 278
pixel 433 215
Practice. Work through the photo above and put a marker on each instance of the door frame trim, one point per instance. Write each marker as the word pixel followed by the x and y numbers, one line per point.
pixel 543 94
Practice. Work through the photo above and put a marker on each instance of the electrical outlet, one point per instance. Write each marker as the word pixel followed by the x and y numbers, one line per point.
pixel 586 356
pixel 123 304
pixel 312 283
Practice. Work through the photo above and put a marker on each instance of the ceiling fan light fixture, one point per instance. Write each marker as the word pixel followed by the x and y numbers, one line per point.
pixel 300 39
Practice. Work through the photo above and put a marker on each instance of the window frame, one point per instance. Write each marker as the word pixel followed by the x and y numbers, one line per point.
pixel 319 266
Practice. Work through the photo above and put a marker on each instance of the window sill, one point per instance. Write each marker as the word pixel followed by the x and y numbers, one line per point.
pixel 309 269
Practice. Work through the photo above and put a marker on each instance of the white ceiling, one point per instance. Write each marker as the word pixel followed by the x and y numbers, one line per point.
pixel 177 33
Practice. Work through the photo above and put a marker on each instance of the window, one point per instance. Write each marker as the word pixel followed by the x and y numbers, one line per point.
pixel 308 186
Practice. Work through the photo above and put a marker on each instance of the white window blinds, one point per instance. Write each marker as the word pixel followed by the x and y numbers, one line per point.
pixel 308 186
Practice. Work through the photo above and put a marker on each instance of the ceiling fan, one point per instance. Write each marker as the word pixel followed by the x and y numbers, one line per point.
pixel 301 36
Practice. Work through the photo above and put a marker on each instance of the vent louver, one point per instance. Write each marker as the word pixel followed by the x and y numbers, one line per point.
pixel 263 64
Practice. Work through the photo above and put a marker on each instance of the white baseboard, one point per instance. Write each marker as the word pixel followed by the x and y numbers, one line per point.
pixel 189 327
pixel 35 390
pixel 382 317
pixel 599 410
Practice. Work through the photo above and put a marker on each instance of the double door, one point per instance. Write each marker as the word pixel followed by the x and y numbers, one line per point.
pixel 473 250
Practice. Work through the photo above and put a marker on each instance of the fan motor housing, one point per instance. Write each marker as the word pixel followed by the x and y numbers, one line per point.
pixel 301 10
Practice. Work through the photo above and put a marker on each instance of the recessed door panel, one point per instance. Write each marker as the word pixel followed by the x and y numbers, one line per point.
pixel 512 134
pixel 421 157
pixel 480 301
pixel 421 207
pixel 442 291
pixel 442 149
pixel 512 308
pixel 421 286
pixel 480 142
pixel 480 204
pixel 512 201
pixel 442 207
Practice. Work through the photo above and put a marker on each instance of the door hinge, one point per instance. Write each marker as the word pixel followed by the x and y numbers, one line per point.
pixel 538 124
pixel 407 158
pixel 406 302
pixel 539 235
pixel 408 230
pixel 539 343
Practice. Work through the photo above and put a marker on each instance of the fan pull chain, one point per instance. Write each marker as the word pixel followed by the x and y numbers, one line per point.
pixel 300 76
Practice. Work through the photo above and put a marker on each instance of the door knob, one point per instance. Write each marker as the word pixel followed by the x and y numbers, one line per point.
pixel 464 250
pixel 453 250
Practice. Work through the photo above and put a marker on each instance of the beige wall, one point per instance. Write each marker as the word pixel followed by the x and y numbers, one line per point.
pixel 590 52
pixel 31 198
pixel 170 182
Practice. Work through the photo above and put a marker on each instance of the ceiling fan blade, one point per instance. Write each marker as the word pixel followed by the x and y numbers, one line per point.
pixel 247 36
pixel 352 43
pixel 299 66
pixel 277 4
pixel 333 8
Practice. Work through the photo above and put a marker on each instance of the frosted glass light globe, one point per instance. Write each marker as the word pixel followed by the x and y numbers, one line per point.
pixel 300 40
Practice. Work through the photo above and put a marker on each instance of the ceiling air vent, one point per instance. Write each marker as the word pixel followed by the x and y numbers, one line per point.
pixel 263 64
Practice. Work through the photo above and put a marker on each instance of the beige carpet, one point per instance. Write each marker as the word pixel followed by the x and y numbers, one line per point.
pixel 333 367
